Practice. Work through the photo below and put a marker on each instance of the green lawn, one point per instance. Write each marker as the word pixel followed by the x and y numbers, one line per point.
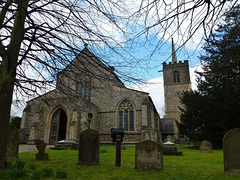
pixel 192 165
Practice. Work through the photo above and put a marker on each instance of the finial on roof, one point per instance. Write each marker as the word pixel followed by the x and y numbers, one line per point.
pixel 174 57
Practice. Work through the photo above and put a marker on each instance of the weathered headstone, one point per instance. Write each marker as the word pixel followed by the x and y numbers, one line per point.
pixel 231 151
pixel 149 156
pixel 205 146
pixel 40 145
pixel 13 140
pixel 88 147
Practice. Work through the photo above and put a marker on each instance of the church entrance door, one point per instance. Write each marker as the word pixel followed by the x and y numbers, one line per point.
pixel 58 126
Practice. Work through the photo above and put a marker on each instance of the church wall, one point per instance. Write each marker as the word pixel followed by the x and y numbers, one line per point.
pixel 38 117
pixel 107 92
pixel 108 102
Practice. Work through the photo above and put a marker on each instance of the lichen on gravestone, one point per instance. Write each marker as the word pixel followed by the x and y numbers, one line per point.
pixel 149 155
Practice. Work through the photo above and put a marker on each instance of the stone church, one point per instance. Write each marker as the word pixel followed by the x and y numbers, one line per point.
pixel 176 79
pixel 88 93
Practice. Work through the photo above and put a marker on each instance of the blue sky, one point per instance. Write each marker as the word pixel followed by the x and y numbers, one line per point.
pixel 142 64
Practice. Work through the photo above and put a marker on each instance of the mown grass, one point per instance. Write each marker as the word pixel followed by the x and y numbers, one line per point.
pixel 192 165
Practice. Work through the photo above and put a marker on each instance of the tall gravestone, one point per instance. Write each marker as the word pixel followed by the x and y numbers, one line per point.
pixel 13 140
pixel 88 147
pixel 149 156
pixel 231 152
pixel 205 146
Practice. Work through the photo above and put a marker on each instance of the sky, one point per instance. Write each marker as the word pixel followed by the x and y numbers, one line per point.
pixel 145 65
pixel 153 83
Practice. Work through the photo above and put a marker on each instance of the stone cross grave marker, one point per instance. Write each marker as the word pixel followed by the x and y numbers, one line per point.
pixel 88 153
pixel 40 145
pixel 149 156
pixel 13 140
pixel 231 152
pixel 205 146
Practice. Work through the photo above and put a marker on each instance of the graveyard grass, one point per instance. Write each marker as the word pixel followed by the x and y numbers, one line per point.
pixel 192 165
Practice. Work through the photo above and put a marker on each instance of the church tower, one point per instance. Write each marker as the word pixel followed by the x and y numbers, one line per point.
pixel 176 79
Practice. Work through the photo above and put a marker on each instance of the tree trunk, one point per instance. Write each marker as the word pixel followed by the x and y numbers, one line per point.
pixel 8 75
pixel 6 91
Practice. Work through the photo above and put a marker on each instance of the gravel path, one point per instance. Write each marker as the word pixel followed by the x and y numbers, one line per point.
pixel 28 148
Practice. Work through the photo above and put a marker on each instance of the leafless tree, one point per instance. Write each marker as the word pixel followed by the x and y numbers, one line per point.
pixel 40 38
pixel 178 19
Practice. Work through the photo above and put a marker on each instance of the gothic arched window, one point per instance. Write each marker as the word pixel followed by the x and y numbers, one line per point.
pixel 176 77
pixel 126 115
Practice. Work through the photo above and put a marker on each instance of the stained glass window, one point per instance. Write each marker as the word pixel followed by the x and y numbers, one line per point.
pixel 126 116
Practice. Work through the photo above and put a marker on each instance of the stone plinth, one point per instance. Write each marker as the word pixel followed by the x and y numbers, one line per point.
pixel 66 144
pixel 170 149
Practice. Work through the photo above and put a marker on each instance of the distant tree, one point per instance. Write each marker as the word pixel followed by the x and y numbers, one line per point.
pixel 215 108
pixel 39 38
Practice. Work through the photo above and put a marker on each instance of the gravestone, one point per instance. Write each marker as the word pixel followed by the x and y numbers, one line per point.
pixel 205 146
pixel 231 152
pixel 40 145
pixel 88 153
pixel 13 140
pixel 149 156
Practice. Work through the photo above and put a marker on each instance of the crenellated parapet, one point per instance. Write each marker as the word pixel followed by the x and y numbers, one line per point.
pixel 175 64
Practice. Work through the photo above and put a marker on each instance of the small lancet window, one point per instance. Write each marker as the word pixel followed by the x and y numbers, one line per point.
pixel 176 77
